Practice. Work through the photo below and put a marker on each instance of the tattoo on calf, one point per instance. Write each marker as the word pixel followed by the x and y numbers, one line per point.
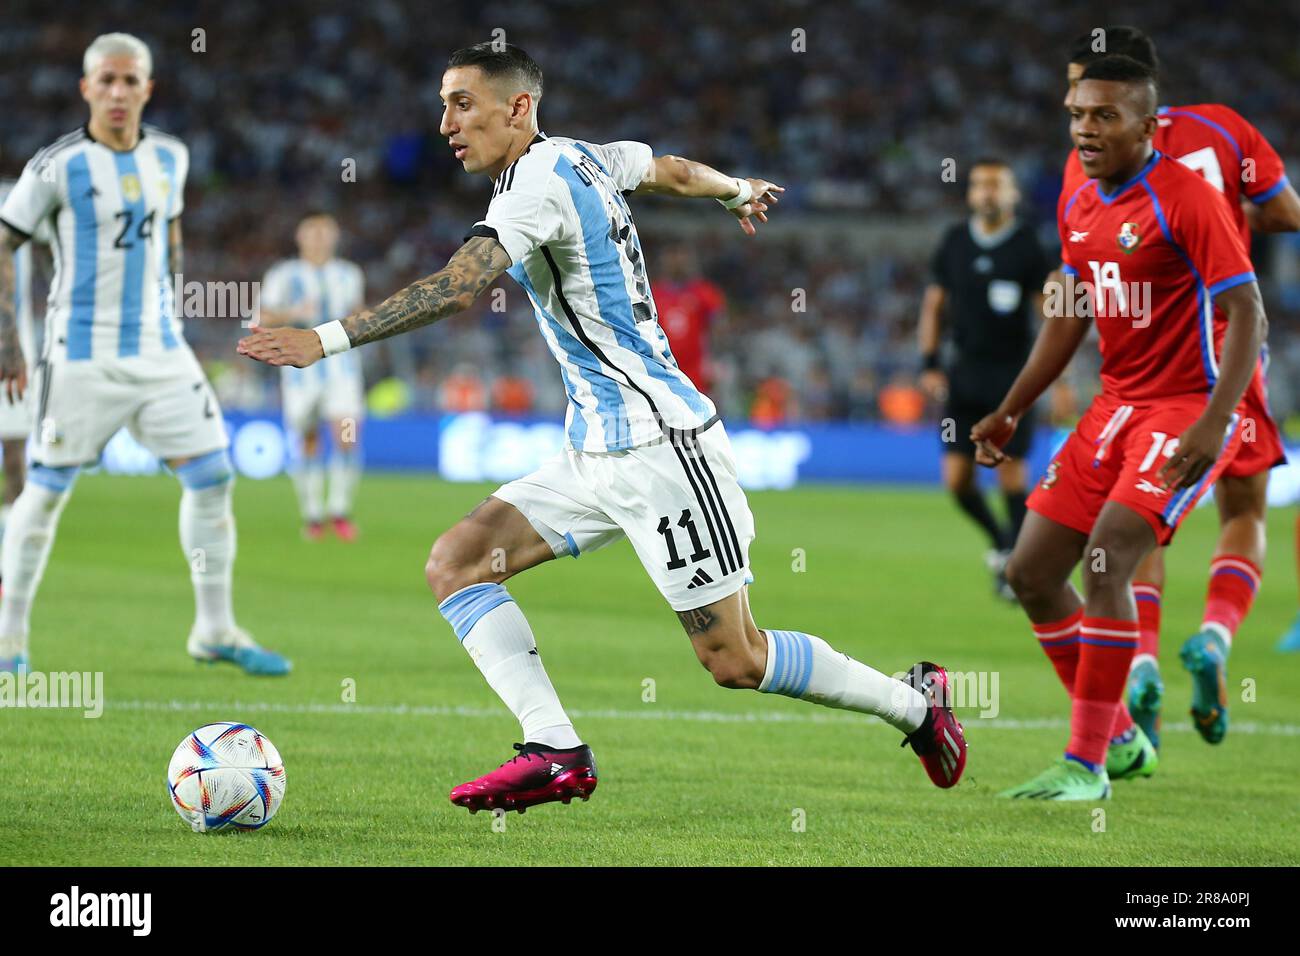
pixel 697 621
pixel 479 507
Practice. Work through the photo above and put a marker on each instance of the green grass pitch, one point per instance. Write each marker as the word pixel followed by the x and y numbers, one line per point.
pixel 698 775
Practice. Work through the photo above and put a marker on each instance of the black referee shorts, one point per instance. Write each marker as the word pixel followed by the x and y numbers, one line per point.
pixel 967 404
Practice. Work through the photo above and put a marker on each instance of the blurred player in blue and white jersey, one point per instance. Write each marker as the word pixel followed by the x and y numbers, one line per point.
pixel 312 289
pixel 16 410
pixel 111 193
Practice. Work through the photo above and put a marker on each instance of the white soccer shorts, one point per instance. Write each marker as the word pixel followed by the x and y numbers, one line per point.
pixel 164 400
pixel 333 399
pixel 676 500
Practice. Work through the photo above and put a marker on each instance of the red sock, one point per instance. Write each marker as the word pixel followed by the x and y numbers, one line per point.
pixel 1060 642
pixel 1123 720
pixel 1233 583
pixel 1106 647
pixel 1147 596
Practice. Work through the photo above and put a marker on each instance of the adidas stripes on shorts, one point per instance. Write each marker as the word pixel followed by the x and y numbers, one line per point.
pixel 676 500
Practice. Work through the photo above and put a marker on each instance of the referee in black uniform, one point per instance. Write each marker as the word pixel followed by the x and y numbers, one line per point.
pixel 987 283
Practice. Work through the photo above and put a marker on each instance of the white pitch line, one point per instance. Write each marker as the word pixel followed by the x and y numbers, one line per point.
pixel 649 713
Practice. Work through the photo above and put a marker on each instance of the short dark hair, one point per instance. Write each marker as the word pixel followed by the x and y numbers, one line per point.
pixel 1124 41
pixel 997 162
pixel 502 60
pixel 1118 68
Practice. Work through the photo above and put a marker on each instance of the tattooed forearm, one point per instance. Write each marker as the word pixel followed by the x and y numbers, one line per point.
pixel 697 621
pixel 473 268
pixel 9 242
pixel 175 249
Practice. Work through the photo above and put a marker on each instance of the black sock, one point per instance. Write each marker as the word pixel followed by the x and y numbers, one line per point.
pixel 1015 512
pixel 972 502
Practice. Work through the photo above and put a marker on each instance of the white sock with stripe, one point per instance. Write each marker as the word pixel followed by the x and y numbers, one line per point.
pixel 29 536
pixel 345 471
pixel 499 641
pixel 207 529
pixel 807 668
pixel 309 482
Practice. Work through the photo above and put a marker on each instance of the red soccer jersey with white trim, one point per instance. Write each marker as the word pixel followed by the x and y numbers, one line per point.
pixel 685 313
pixel 1155 252
pixel 1220 144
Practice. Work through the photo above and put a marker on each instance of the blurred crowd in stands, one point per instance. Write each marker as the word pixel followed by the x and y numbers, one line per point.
pixel 854 106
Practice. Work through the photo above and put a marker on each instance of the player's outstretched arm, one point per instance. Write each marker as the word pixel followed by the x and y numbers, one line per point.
pixel 13 366
pixel 453 288
pixel 746 199
pixel 1201 444
pixel 1281 213
pixel 1056 344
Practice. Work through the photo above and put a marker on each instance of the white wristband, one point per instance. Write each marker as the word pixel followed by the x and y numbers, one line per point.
pixel 333 338
pixel 745 194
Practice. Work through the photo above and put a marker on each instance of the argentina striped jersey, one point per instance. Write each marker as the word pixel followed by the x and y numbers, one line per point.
pixel 330 291
pixel 560 213
pixel 107 215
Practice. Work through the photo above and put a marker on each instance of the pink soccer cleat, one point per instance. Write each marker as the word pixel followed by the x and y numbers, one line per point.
pixel 939 741
pixel 345 529
pixel 313 530
pixel 537 774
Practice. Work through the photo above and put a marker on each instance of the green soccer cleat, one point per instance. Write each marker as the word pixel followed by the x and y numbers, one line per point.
pixel 1135 757
pixel 1205 655
pixel 1145 692
pixel 1063 780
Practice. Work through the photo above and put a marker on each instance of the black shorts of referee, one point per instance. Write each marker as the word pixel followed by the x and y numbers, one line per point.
pixel 973 392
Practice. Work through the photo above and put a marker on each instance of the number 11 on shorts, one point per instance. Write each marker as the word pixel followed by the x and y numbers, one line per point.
pixel 685 521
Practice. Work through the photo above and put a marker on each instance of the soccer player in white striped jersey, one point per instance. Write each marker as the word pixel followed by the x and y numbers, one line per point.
pixel 16 409
pixel 647 458
pixel 110 194
pixel 311 290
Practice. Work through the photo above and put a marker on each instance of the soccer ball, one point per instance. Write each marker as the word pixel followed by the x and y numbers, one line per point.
pixel 226 775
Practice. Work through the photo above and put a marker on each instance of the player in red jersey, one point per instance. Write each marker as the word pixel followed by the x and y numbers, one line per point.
pixel 1153 247
pixel 1238 161
pixel 688 306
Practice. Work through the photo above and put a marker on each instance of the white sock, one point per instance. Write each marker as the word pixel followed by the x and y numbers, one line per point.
pixel 4 520
pixel 207 526
pixel 1142 659
pixel 807 668
pixel 497 636
pixel 309 482
pixel 1219 629
pixel 28 540
pixel 345 472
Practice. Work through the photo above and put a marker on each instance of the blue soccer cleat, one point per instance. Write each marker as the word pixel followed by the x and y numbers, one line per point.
pixel 13 664
pixel 1145 692
pixel 1205 655
pixel 1290 642
pixel 239 648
